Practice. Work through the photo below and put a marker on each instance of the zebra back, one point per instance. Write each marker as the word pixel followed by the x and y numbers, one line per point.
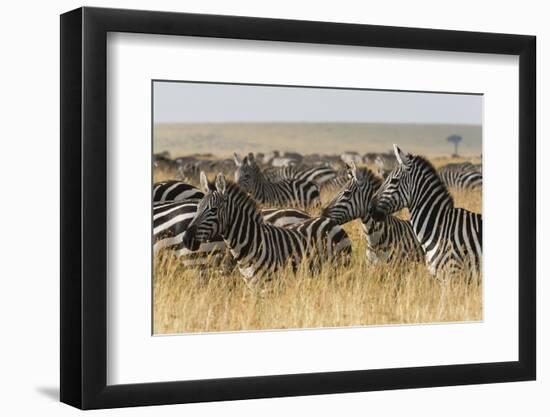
pixel 339 181
pixel 294 192
pixel 175 191
pixel 284 217
pixel 466 180
pixel 319 174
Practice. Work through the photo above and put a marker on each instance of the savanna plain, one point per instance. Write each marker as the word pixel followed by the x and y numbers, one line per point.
pixel 359 294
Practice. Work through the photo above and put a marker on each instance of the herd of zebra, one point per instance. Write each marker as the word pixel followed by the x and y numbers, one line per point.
pixel 261 221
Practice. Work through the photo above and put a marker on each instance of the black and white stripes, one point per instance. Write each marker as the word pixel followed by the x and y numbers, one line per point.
pixel 466 179
pixel 175 191
pixel 320 175
pixel 451 237
pixel 390 240
pixel 287 192
pixel 256 222
pixel 171 219
pixel 261 249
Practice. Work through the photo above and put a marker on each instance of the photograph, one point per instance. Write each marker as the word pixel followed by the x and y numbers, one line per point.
pixel 268 205
pixel 280 207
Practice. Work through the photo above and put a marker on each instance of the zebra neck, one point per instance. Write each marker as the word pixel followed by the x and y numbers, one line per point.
pixel 428 212
pixel 262 187
pixel 244 236
pixel 370 226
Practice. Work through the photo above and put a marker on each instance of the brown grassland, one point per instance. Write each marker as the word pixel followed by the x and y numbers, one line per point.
pixel 226 138
pixel 357 295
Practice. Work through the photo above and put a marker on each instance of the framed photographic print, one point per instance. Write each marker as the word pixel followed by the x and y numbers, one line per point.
pixel 258 207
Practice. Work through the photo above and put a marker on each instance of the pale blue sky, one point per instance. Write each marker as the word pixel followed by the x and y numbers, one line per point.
pixel 178 102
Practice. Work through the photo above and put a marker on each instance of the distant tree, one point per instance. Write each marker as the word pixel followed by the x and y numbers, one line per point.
pixel 455 140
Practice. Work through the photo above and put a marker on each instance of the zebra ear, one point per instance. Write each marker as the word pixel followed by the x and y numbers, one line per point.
pixel 204 183
pixel 348 170
pixel 237 159
pixel 402 157
pixel 251 158
pixel 352 170
pixel 221 183
pixel 379 162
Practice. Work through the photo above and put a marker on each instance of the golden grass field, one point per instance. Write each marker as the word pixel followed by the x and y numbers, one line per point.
pixel 358 295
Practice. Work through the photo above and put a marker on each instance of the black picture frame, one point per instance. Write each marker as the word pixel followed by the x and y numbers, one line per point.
pixel 84 207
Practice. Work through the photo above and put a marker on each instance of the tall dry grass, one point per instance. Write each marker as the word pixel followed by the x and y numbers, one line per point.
pixel 359 294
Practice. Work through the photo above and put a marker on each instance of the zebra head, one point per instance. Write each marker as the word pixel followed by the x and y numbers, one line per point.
pixel 354 199
pixel 247 172
pixel 207 223
pixel 393 194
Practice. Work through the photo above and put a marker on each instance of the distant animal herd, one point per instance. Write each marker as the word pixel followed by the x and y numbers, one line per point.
pixel 256 214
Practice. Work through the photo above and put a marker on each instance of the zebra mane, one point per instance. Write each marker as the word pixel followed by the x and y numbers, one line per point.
pixel 235 190
pixel 367 175
pixel 426 165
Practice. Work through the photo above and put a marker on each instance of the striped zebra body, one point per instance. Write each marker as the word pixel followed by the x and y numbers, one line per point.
pixel 175 191
pixel 290 192
pixel 451 237
pixel 390 240
pixel 171 220
pixel 326 240
pixel 319 175
pixel 261 249
pixel 284 217
pixel 461 166
pixel 294 193
pixel 339 181
pixel 462 179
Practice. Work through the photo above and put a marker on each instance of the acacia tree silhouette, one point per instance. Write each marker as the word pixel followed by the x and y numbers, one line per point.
pixel 455 139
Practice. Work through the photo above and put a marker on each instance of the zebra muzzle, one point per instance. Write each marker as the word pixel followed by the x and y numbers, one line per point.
pixel 188 240
pixel 376 214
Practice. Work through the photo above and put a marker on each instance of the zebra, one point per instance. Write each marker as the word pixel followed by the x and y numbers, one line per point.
pixel 175 191
pixel 190 170
pixel 462 166
pixel 300 193
pixel 339 181
pixel 319 174
pixel 464 178
pixel 261 249
pixel 284 217
pixel 390 240
pixel 323 175
pixel 171 220
pixel 451 237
